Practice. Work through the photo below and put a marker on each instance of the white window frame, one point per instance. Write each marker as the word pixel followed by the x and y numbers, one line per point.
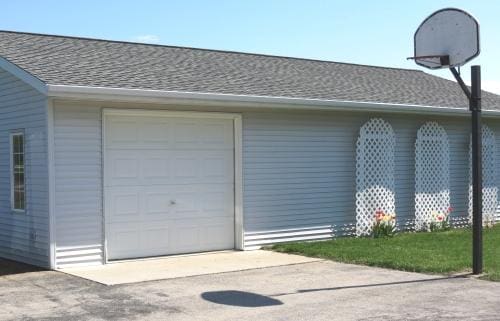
pixel 17 132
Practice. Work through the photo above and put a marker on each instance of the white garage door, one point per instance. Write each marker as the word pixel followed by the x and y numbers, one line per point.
pixel 169 185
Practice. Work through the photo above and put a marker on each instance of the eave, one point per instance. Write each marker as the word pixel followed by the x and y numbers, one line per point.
pixel 244 101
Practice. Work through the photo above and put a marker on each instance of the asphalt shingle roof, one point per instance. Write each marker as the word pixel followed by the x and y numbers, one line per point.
pixel 59 60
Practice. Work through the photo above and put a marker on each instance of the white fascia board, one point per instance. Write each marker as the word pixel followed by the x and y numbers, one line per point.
pixel 23 75
pixel 244 101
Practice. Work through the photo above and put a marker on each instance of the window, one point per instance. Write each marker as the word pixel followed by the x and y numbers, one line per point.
pixel 18 188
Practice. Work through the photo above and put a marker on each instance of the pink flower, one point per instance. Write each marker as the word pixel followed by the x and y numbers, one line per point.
pixel 379 215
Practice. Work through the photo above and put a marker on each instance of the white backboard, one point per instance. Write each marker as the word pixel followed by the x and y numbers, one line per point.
pixel 448 32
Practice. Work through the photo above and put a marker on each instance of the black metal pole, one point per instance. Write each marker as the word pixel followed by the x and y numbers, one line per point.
pixel 477 185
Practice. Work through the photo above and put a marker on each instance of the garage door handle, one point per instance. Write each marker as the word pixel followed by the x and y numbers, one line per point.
pixel 172 203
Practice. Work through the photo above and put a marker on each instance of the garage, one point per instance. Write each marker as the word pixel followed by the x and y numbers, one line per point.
pixel 168 183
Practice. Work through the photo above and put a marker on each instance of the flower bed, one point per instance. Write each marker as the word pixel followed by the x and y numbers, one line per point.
pixel 385 224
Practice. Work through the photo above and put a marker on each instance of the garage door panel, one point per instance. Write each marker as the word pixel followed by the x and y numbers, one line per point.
pixel 192 201
pixel 124 239
pixel 207 235
pixel 216 234
pixel 157 203
pixel 186 133
pixel 187 202
pixel 148 240
pixel 122 168
pixel 169 185
pixel 217 167
pixel 122 204
pixel 137 132
pixel 187 238
pixel 218 200
pixel 155 237
pixel 122 131
pixel 217 134
pixel 133 167
pixel 156 168
pixel 185 167
pixel 215 202
pixel 139 203
pixel 145 167
pixel 155 133
pixel 182 133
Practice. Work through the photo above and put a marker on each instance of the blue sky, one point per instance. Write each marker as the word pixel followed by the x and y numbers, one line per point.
pixel 365 32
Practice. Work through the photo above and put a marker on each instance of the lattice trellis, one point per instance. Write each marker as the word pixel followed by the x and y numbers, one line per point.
pixel 490 190
pixel 432 174
pixel 374 173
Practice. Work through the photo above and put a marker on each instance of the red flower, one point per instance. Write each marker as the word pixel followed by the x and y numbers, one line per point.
pixel 450 209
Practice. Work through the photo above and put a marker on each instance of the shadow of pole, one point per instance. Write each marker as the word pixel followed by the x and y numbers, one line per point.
pixel 253 300
pixel 371 285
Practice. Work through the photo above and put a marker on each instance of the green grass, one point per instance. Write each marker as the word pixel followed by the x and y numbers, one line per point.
pixel 437 252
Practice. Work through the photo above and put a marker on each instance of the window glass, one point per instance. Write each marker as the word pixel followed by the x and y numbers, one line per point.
pixel 18 177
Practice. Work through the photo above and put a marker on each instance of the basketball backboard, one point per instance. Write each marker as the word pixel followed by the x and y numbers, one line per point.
pixel 447 38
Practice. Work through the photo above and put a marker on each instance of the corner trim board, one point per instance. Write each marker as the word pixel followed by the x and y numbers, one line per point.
pixel 52 185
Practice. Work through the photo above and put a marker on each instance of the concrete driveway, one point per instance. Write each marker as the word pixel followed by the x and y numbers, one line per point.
pixel 177 266
pixel 310 291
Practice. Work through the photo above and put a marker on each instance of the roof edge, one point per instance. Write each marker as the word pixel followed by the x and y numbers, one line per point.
pixel 247 101
pixel 23 75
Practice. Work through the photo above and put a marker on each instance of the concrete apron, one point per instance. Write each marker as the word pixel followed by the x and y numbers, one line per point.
pixel 132 271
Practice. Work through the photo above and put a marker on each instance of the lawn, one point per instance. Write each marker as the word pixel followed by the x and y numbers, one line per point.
pixel 434 252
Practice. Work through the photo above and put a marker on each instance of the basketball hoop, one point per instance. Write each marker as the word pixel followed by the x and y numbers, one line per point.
pixel 444 60
pixel 449 38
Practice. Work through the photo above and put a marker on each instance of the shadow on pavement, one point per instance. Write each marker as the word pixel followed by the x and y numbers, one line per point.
pixel 8 267
pixel 240 298
pixel 248 299
pixel 371 285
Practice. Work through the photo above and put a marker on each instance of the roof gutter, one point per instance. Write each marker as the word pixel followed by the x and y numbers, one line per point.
pixel 243 101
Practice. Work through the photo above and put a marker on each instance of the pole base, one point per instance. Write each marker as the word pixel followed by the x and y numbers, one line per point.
pixel 474 276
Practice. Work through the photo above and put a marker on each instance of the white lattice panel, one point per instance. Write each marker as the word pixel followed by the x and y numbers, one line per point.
pixel 432 174
pixel 374 173
pixel 490 190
